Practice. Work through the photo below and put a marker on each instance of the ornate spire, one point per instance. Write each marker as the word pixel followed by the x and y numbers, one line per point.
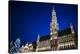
pixel 54 25
pixel 37 42
pixel 72 29
pixel 53 12
pixel 38 38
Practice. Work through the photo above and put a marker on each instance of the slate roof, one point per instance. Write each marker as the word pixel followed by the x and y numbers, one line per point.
pixel 46 37
pixel 64 32
pixel 60 33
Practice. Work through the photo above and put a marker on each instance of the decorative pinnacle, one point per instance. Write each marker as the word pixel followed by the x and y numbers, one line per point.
pixel 53 11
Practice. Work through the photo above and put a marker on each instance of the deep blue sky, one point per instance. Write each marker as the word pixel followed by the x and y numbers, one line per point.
pixel 28 19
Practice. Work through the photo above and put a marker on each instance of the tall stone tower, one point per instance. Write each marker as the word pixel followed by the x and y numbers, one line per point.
pixel 54 30
pixel 54 25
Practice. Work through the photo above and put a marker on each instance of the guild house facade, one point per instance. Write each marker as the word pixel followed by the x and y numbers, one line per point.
pixel 56 40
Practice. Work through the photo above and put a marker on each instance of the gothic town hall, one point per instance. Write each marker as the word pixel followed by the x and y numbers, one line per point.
pixel 56 40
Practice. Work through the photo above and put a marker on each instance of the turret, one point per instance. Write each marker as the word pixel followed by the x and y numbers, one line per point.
pixel 72 29
pixel 37 42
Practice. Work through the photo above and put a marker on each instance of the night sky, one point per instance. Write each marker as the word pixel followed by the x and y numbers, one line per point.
pixel 28 19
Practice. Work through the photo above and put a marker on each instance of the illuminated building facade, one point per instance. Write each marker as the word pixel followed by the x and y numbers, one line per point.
pixel 56 40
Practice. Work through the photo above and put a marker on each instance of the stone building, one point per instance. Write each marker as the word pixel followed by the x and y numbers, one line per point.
pixel 67 39
pixel 27 48
pixel 57 40
pixel 43 43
